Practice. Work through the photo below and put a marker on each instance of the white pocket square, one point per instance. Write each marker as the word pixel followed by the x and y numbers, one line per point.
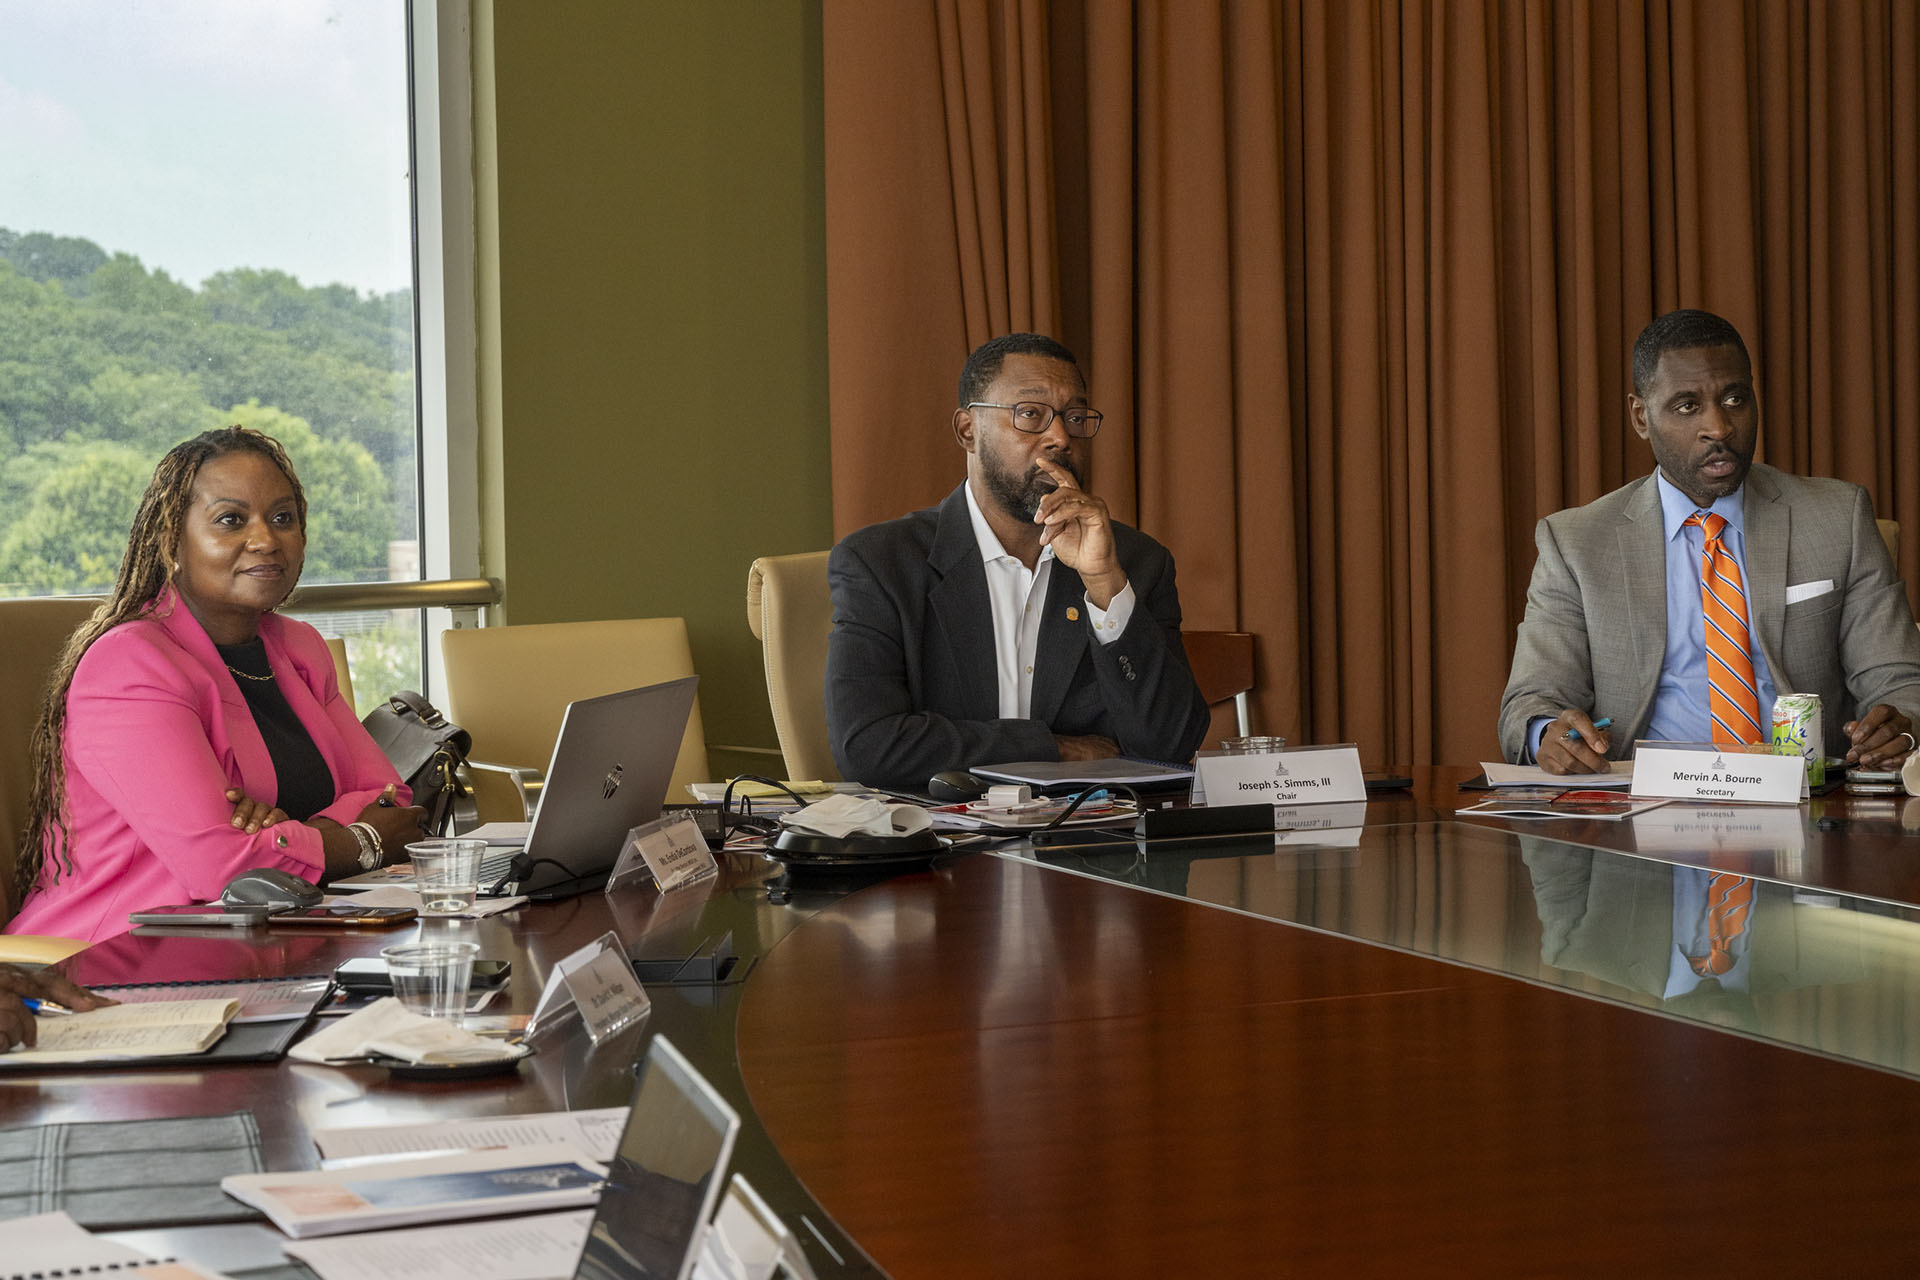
pixel 1808 590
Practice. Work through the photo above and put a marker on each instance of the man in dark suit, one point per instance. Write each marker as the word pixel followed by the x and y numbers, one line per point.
pixel 1017 620
pixel 1810 586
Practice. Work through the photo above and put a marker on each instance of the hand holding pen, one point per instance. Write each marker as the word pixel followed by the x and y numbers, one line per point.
pixel 24 992
pixel 1575 743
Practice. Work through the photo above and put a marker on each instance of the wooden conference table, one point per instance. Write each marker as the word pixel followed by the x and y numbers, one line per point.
pixel 1352 1051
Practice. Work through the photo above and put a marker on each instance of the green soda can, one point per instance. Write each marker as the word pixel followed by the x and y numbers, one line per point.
pixel 1797 732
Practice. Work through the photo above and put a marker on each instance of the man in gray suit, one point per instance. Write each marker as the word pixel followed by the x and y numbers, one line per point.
pixel 1017 620
pixel 1614 626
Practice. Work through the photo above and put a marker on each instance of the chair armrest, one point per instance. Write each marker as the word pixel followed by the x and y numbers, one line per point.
pixel 503 792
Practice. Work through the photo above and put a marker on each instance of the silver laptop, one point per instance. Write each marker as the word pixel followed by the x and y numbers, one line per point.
pixel 611 766
pixel 664 1181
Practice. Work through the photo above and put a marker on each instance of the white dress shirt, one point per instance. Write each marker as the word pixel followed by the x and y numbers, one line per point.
pixel 1019 596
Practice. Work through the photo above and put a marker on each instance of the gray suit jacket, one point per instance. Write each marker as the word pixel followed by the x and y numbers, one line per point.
pixel 912 686
pixel 1595 631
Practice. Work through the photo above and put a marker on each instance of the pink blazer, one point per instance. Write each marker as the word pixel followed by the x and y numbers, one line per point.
pixel 157 730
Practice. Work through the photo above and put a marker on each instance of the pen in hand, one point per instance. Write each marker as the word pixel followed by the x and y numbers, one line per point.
pixel 45 1007
pixel 1601 723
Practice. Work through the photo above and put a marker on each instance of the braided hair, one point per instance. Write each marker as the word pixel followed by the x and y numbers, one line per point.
pixel 145 572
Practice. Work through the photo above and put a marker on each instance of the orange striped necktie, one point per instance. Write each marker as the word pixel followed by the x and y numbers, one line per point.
pixel 1729 898
pixel 1732 696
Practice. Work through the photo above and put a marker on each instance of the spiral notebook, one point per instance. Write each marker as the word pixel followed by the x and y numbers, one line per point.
pixel 52 1246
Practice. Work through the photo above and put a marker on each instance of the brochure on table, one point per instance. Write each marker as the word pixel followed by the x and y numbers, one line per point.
pixel 1606 806
pixel 398 1193
pixel 1718 772
pixel 1301 776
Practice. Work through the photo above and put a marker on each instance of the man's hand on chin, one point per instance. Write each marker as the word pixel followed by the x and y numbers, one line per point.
pixel 1076 525
pixel 1090 746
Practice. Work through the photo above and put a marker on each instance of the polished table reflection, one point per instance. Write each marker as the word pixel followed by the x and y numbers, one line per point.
pixel 1421 1044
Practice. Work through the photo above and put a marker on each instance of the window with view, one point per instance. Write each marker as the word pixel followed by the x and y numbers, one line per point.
pixel 207 219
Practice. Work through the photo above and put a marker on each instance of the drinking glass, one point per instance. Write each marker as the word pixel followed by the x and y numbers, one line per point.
pixel 447 874
pixel 431 978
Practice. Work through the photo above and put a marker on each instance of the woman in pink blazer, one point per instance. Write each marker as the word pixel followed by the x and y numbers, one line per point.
pixel 190 733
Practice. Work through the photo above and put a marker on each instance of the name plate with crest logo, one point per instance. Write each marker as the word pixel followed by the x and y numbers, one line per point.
pixel 1306 775
pixel 1704 771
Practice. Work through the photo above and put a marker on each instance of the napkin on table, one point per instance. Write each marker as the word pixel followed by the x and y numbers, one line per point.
pixel 844 815
pixel 387 1027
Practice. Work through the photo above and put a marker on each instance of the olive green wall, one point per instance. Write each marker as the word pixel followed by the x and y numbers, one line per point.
pixel 659 270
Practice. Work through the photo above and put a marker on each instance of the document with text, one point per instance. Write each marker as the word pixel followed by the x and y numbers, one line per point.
pixel 593 1133
pixel 532 1248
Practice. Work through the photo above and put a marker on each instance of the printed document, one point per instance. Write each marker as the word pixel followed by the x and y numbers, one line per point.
pixel 594 1133
pixel 533 1248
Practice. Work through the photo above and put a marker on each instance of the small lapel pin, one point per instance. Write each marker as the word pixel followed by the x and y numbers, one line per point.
pixel 1073 614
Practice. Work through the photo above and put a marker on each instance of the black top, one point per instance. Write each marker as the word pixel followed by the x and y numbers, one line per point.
pixel 306 784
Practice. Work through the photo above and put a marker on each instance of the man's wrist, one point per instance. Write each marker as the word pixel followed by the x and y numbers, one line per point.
pixel 1102 589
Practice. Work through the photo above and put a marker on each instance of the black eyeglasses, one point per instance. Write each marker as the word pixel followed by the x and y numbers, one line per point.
pixel 1035 416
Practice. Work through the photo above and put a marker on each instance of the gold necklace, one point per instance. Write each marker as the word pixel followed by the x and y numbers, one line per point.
pixel 248 675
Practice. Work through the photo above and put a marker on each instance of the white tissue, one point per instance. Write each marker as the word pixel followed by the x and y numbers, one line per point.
pixel 844 815
pixel 387 1027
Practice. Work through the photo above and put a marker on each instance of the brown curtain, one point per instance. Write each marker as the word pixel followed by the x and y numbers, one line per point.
pixel 1356 284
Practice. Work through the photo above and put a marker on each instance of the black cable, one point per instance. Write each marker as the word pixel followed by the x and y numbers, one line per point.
pixel 1085 793
pixel 760 827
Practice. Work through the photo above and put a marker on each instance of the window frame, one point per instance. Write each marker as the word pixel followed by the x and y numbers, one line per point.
pixel 446 328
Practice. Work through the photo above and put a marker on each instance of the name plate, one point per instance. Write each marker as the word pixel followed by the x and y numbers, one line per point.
pixel 598 981
pixel 1718 775
pixel 1311 775
pixel 669 851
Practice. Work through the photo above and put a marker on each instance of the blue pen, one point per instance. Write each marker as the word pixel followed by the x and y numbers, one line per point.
pixel 1601 723
pixel 47 1007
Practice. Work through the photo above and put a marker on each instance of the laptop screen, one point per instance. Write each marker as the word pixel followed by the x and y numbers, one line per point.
pixel 665 1179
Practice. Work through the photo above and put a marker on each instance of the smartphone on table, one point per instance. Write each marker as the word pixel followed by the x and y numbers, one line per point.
pixel 202 914
pixel 345 914
pixel 368 974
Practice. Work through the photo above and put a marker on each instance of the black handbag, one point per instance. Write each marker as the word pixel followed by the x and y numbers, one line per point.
pixel 426 750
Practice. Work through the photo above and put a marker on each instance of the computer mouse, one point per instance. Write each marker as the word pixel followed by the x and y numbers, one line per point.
pixel 270 887
pixel 955 785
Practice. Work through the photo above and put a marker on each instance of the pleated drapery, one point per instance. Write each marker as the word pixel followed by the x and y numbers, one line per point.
pixel 1356 283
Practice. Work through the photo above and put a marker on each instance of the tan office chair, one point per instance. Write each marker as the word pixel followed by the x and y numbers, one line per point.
pixel 791 614
pixel 509 687
pixel 337 646
pixel 32 635
pixel 1222 663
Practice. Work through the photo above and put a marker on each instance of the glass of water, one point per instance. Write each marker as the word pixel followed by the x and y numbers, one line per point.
pixel 431 978
pixel 447 874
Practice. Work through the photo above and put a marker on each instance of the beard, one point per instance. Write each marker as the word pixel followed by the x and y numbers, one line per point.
pixel 1019 493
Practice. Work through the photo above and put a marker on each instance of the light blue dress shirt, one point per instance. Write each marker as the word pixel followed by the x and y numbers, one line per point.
pixel 1680 708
